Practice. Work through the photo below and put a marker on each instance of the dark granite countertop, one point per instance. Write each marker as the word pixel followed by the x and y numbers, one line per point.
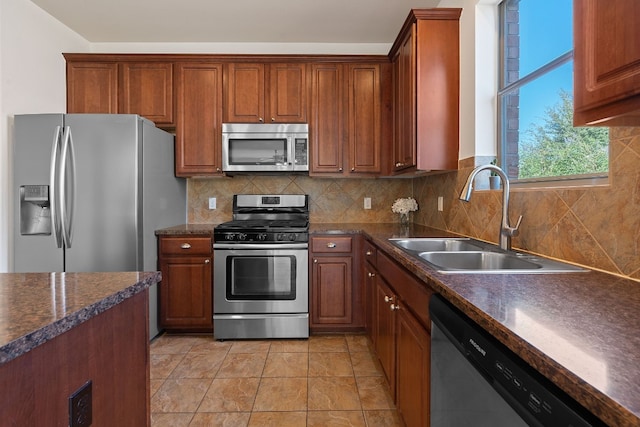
pixel 37 307
pixel 580 330
pixel 182 229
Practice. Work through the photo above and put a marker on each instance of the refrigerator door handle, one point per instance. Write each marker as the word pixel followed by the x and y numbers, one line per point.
pixel 67 182
pixel 54 184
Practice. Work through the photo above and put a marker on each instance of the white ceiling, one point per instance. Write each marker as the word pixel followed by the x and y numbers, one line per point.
pixel 224 21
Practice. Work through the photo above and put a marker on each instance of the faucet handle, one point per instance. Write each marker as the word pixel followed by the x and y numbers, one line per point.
pixel 513 231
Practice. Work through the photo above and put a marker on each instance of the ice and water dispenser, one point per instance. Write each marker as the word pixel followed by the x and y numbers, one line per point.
pixel 35 210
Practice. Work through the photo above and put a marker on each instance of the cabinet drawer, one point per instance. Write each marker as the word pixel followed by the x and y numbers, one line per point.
pixel 185 245
pixel 331 244
pixel 411 290
pixel 370 252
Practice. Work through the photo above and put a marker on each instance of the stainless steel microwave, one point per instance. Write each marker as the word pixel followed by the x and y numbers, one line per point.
pixel 255 147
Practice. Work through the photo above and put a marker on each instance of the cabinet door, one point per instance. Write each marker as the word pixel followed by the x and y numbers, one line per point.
pixel 199 119
pixel 606 62
pixel 364 118
pixel 245 93
pixel 186 293
pixel 385 322
pixel 147 89
pixel 413 349
pixel 404 138
pixel 327 121
pixel 92 87
pixel 332 290
pixel 287 93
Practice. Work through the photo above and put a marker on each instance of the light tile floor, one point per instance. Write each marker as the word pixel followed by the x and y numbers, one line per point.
pixel 328 380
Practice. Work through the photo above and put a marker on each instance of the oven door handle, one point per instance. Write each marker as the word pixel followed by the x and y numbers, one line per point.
pixel 242 246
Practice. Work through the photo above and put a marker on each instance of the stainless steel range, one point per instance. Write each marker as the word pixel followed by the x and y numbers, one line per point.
pixel 261 270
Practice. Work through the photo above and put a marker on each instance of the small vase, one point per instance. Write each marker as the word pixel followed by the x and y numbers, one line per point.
pixel 494 182
pixel 404 219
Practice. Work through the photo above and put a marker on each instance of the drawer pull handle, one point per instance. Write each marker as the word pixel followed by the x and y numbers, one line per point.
pixel 331 245
pixel 185 246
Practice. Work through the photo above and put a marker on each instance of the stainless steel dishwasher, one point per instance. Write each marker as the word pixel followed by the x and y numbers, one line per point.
pixel 477 381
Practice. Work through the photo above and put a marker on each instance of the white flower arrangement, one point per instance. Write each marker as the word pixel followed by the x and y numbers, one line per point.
pixel 404 205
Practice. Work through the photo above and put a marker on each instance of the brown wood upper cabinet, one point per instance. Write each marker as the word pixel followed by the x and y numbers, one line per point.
pixel 198 119
pixel 266 93
pixel 144 88
pixel 348 122
pixel 426 84
pixel 606 63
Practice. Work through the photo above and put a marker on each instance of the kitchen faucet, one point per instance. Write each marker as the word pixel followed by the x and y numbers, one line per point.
pixel 506 231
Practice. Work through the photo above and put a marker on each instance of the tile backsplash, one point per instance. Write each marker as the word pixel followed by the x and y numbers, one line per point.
pixel 331 199
pixel 597 227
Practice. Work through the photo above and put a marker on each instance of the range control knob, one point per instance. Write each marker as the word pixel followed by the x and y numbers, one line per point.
pixel 242 236
pixel 229 236
pixel 261 236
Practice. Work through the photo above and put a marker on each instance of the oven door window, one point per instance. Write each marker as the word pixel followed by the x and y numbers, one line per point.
pixel 258 151
pixel 271 277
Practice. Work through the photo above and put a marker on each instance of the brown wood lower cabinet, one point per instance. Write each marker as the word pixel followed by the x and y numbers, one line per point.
pixel 186 289
pixel 399 327
pixel 336 298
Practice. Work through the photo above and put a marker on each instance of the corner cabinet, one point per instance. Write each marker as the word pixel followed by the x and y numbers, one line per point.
pixel 199 119
pixel 426 91
pixel 266 93
pixel 186 289
pixel 606 63
pixel 399 326
pixel 335 297
pixel 350 118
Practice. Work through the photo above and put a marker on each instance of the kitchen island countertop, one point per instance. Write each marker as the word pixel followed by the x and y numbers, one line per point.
pixel 580 330
pixel 37 307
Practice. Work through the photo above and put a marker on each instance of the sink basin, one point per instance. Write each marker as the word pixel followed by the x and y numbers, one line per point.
pixel 465 255
pixel 426 244
pixel 479 260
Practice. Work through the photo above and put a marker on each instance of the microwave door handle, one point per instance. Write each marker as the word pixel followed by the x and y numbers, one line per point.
pixel 53 186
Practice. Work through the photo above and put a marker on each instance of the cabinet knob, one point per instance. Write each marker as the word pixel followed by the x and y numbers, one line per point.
pixel 399 164
pixel 339 169
pixel 207 261
pixel 387 298
pixel 273 119
pixel 353 169
pixel 260 119
pixel 371 274
pixel 185 246
pixel 315 261
pixel 394 307
pixel 368 253
pixel 331 245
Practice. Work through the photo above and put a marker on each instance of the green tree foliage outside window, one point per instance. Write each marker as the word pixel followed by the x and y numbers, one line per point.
pixel 553 147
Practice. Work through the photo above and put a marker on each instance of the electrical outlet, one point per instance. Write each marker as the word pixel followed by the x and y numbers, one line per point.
pixel 440 204
pixel 367 202
pixel 80 411
pixel 212 203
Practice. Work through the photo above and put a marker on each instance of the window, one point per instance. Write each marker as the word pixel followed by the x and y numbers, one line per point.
pixel 537 140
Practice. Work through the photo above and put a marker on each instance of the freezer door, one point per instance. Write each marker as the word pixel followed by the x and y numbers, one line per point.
pixel 34 248
pixel 107 158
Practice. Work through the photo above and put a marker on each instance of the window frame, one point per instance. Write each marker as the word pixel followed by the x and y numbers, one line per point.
pixel 592 179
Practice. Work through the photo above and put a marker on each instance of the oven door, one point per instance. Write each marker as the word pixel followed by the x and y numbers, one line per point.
pixel 261 278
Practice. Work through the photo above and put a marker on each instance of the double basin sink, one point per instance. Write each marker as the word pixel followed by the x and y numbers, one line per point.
pixel 465 255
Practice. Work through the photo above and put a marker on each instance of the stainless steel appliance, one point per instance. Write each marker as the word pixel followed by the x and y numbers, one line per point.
pixel 255 147
pixel 89 192
pixel 476 380
pixel 261 271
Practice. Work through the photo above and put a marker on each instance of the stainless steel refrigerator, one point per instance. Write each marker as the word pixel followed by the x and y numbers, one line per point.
pixel 89 192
